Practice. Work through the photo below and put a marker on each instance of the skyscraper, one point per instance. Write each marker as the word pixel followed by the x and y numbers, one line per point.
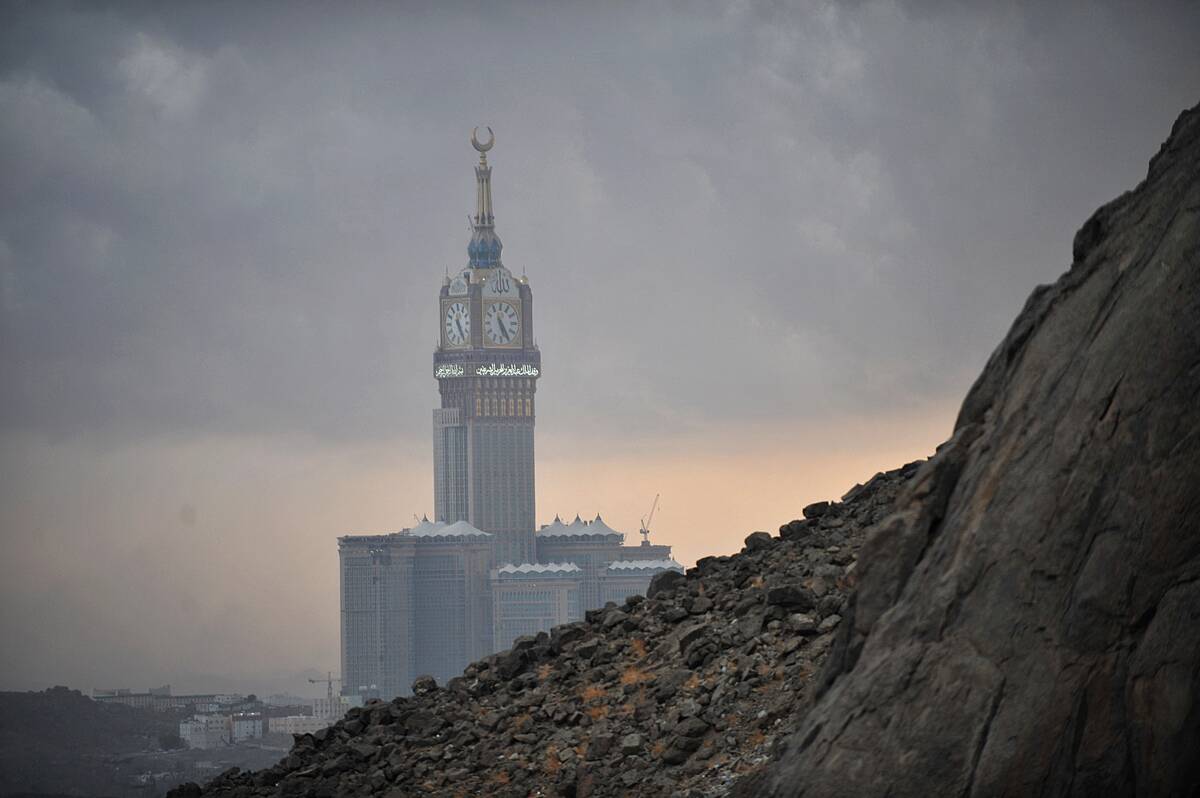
pixel 434 597
pixel 487 366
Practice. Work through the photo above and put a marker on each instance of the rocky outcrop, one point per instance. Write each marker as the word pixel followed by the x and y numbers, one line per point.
pixel 675 694
pixel 1028 622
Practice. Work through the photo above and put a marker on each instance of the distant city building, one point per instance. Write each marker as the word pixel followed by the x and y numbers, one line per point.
pixel 434 597
pixel 534 597
pixel 159 699
pixel 297 724
pixel 332 708
pixel 205 731
pixel 211 731
pixel 246 726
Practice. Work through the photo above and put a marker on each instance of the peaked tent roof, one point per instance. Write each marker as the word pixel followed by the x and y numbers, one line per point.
pixel 645 565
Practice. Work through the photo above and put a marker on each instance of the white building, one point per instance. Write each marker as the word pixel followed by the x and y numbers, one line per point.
pixel 205 731
pixel 246 726
pixel 625 578
pixel 331 709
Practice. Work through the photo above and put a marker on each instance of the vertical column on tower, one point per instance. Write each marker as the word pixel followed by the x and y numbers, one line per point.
pixel 450 473
pixel 502 474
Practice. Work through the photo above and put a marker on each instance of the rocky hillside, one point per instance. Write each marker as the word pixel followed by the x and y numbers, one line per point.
pixel 1019 615
pixel 1028 623
pixel 677 693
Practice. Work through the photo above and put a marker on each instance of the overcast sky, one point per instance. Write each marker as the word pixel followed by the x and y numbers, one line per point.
pixel 770 248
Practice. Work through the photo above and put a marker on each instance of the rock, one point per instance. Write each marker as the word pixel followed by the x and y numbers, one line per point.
pixel 794 530
pixel 750 625
pixel 599 745
pixel 675 614
pixel 817 586
pixel 667 580
pixel 815 510
pixel 674 756
pixel 587 648
pixel 568 633
pixel 686 635
pixel 757 541
pixel 508 664
pixel 423 685
pixel 631 744
pixel 691 727
pixel 614 618
pixel 792 596
pixel 829 624
pixel 524 642
pixel 748 604
pixel 801 623
pixel 1025 623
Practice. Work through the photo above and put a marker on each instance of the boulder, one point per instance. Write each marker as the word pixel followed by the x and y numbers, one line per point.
pixel 756 541
pixel 424 684
pixel 815 510
pixel 667 580
pixel 792 596
pixel 632 744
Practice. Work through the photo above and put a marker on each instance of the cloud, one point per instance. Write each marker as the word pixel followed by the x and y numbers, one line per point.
pixel 171 80
pixel 252 220
pixel 223 230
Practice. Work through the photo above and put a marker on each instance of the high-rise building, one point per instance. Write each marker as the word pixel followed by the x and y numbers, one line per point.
pixel 487 366
pixel 434 597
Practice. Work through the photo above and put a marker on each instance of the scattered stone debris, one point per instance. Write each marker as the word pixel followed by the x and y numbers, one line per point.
pixel 679 693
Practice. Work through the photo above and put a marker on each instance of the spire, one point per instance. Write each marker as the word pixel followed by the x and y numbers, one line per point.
pixel 485 246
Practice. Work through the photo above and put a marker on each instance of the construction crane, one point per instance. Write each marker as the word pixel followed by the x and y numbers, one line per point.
pixel 645 530
pixel 329 680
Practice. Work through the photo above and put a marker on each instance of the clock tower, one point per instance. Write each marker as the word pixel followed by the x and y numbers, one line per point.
pixel 487 366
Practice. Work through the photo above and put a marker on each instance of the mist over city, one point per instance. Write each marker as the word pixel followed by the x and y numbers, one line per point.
pixel 754 255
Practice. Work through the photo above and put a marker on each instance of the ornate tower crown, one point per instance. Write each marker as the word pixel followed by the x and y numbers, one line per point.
pixel 484 249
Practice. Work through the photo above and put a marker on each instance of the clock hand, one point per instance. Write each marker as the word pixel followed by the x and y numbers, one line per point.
pixel 458 324
pixel 503 329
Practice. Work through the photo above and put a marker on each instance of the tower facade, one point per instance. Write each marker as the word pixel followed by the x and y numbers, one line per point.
pixel 487 366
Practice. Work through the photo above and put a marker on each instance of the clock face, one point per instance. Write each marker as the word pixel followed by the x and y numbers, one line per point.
pixel 458 324
pixel 501 323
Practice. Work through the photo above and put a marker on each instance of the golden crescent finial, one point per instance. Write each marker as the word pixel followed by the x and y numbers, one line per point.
pixel 482 147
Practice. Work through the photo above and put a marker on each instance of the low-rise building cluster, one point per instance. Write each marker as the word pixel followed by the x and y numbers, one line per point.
pixel 214 720
pixel 432 598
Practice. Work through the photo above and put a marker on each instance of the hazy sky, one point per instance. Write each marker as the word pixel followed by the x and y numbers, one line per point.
pixel 770 247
